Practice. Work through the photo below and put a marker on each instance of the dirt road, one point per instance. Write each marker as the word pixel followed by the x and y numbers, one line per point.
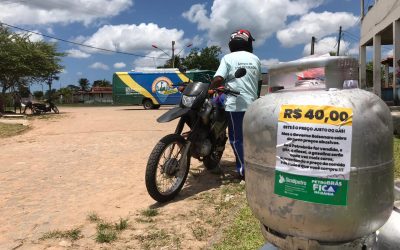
pixel 89 160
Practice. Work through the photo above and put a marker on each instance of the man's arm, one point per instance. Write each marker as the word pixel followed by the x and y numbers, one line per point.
pixel 216 82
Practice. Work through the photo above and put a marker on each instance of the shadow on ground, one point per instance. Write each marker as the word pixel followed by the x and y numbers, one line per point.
pixel 200 179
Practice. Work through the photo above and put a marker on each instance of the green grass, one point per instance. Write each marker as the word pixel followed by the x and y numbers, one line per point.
pixel 199 232
pixel 243 233
pixel 156 239
pixel 107 232
pixel 93 217
pixel 122 224
pixel 73 235
pixel 150 212
pixel 106 235
pixel 7 130
pixel 396 155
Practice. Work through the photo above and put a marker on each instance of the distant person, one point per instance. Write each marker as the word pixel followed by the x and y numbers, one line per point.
pixel 29 103
pixel 17 102
pixel 241 56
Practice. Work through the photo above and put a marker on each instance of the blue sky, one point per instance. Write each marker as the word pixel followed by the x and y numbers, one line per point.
pixel 282 29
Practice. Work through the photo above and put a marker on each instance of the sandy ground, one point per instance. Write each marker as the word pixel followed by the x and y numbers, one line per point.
pixel 89 160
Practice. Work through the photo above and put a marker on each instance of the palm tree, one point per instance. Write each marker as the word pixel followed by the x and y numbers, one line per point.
pixel 84 84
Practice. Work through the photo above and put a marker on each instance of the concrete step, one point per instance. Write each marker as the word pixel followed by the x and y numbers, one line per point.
pixel 11 116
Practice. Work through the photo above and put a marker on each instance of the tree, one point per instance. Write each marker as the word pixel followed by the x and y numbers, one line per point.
pixel 51 94
pixel 23 91
pixel 74 88
pixel 101 83
pixel 38 95
pixel 84 84
pixel 177 63
pixel 66 94
pixel 23 62
pixel 206 58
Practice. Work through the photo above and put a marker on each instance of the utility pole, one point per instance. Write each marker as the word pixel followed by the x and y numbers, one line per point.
pixel 173 54
pixel 362 9
pixel 312 45
pixel 338 43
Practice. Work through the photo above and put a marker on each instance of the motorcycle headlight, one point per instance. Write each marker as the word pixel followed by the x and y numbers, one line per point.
pixel 187 101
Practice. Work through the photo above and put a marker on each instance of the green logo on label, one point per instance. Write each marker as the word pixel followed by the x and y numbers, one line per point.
pixel 311 189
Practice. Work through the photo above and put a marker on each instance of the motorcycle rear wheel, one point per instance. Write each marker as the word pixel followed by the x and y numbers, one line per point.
pixel 167 168
pixel 211 161
pixel 36 111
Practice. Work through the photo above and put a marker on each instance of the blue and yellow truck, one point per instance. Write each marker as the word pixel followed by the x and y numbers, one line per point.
pixel 154 87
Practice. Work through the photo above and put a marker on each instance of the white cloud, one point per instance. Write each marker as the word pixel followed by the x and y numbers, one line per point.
pixel 154 59
pixel 119 65
pixel 315 24
pixel 269 62
pixel 99 65
pixel 79 73
pixel 389 53
pixel 32 36
pixel 133 37
pixel 329 44
pixel 76 53
pixel 50 11
pixel 50 31
pixel 262 17
pixel 266 63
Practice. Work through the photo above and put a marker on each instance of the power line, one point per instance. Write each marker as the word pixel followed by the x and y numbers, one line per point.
pixel 352 35
pixel 79 44
pixel 350 38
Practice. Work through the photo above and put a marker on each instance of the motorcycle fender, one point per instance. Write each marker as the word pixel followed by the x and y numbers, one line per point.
pixel 172 114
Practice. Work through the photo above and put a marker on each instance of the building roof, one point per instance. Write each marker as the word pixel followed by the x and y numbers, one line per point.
pixel 101 90
pixel 95 90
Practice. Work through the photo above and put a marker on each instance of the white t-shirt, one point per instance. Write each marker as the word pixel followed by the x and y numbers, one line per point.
pixel 246 85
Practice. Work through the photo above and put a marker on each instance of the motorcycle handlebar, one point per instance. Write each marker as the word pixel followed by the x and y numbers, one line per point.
pixel 224 90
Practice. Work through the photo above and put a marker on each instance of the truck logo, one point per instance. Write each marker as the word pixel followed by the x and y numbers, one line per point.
pixel 163 86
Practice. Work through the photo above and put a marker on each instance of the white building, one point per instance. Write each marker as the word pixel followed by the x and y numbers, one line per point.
pixel 380 25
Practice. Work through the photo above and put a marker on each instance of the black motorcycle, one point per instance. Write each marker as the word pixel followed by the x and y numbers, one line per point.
pixel 169 162
pixel 47 106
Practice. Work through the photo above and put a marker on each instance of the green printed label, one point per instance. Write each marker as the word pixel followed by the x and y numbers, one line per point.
pixel 311 189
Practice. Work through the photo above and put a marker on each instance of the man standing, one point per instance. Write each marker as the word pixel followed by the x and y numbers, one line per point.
pixel 241 56
pixel 17 102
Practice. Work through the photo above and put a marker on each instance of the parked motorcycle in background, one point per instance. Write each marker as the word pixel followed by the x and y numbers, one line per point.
pixel 47 106
pixel 169 162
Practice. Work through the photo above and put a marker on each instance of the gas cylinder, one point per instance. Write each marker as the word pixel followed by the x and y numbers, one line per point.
pixel 319 155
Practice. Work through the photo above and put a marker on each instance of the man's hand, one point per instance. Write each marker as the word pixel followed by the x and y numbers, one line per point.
pixel 216 82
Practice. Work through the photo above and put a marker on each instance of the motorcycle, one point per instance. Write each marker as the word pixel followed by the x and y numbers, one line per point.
pixel 168 164
pixel 47 106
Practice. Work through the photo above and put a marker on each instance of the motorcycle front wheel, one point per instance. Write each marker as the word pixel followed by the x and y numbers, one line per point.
pixel 55 109
pixel 167 168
